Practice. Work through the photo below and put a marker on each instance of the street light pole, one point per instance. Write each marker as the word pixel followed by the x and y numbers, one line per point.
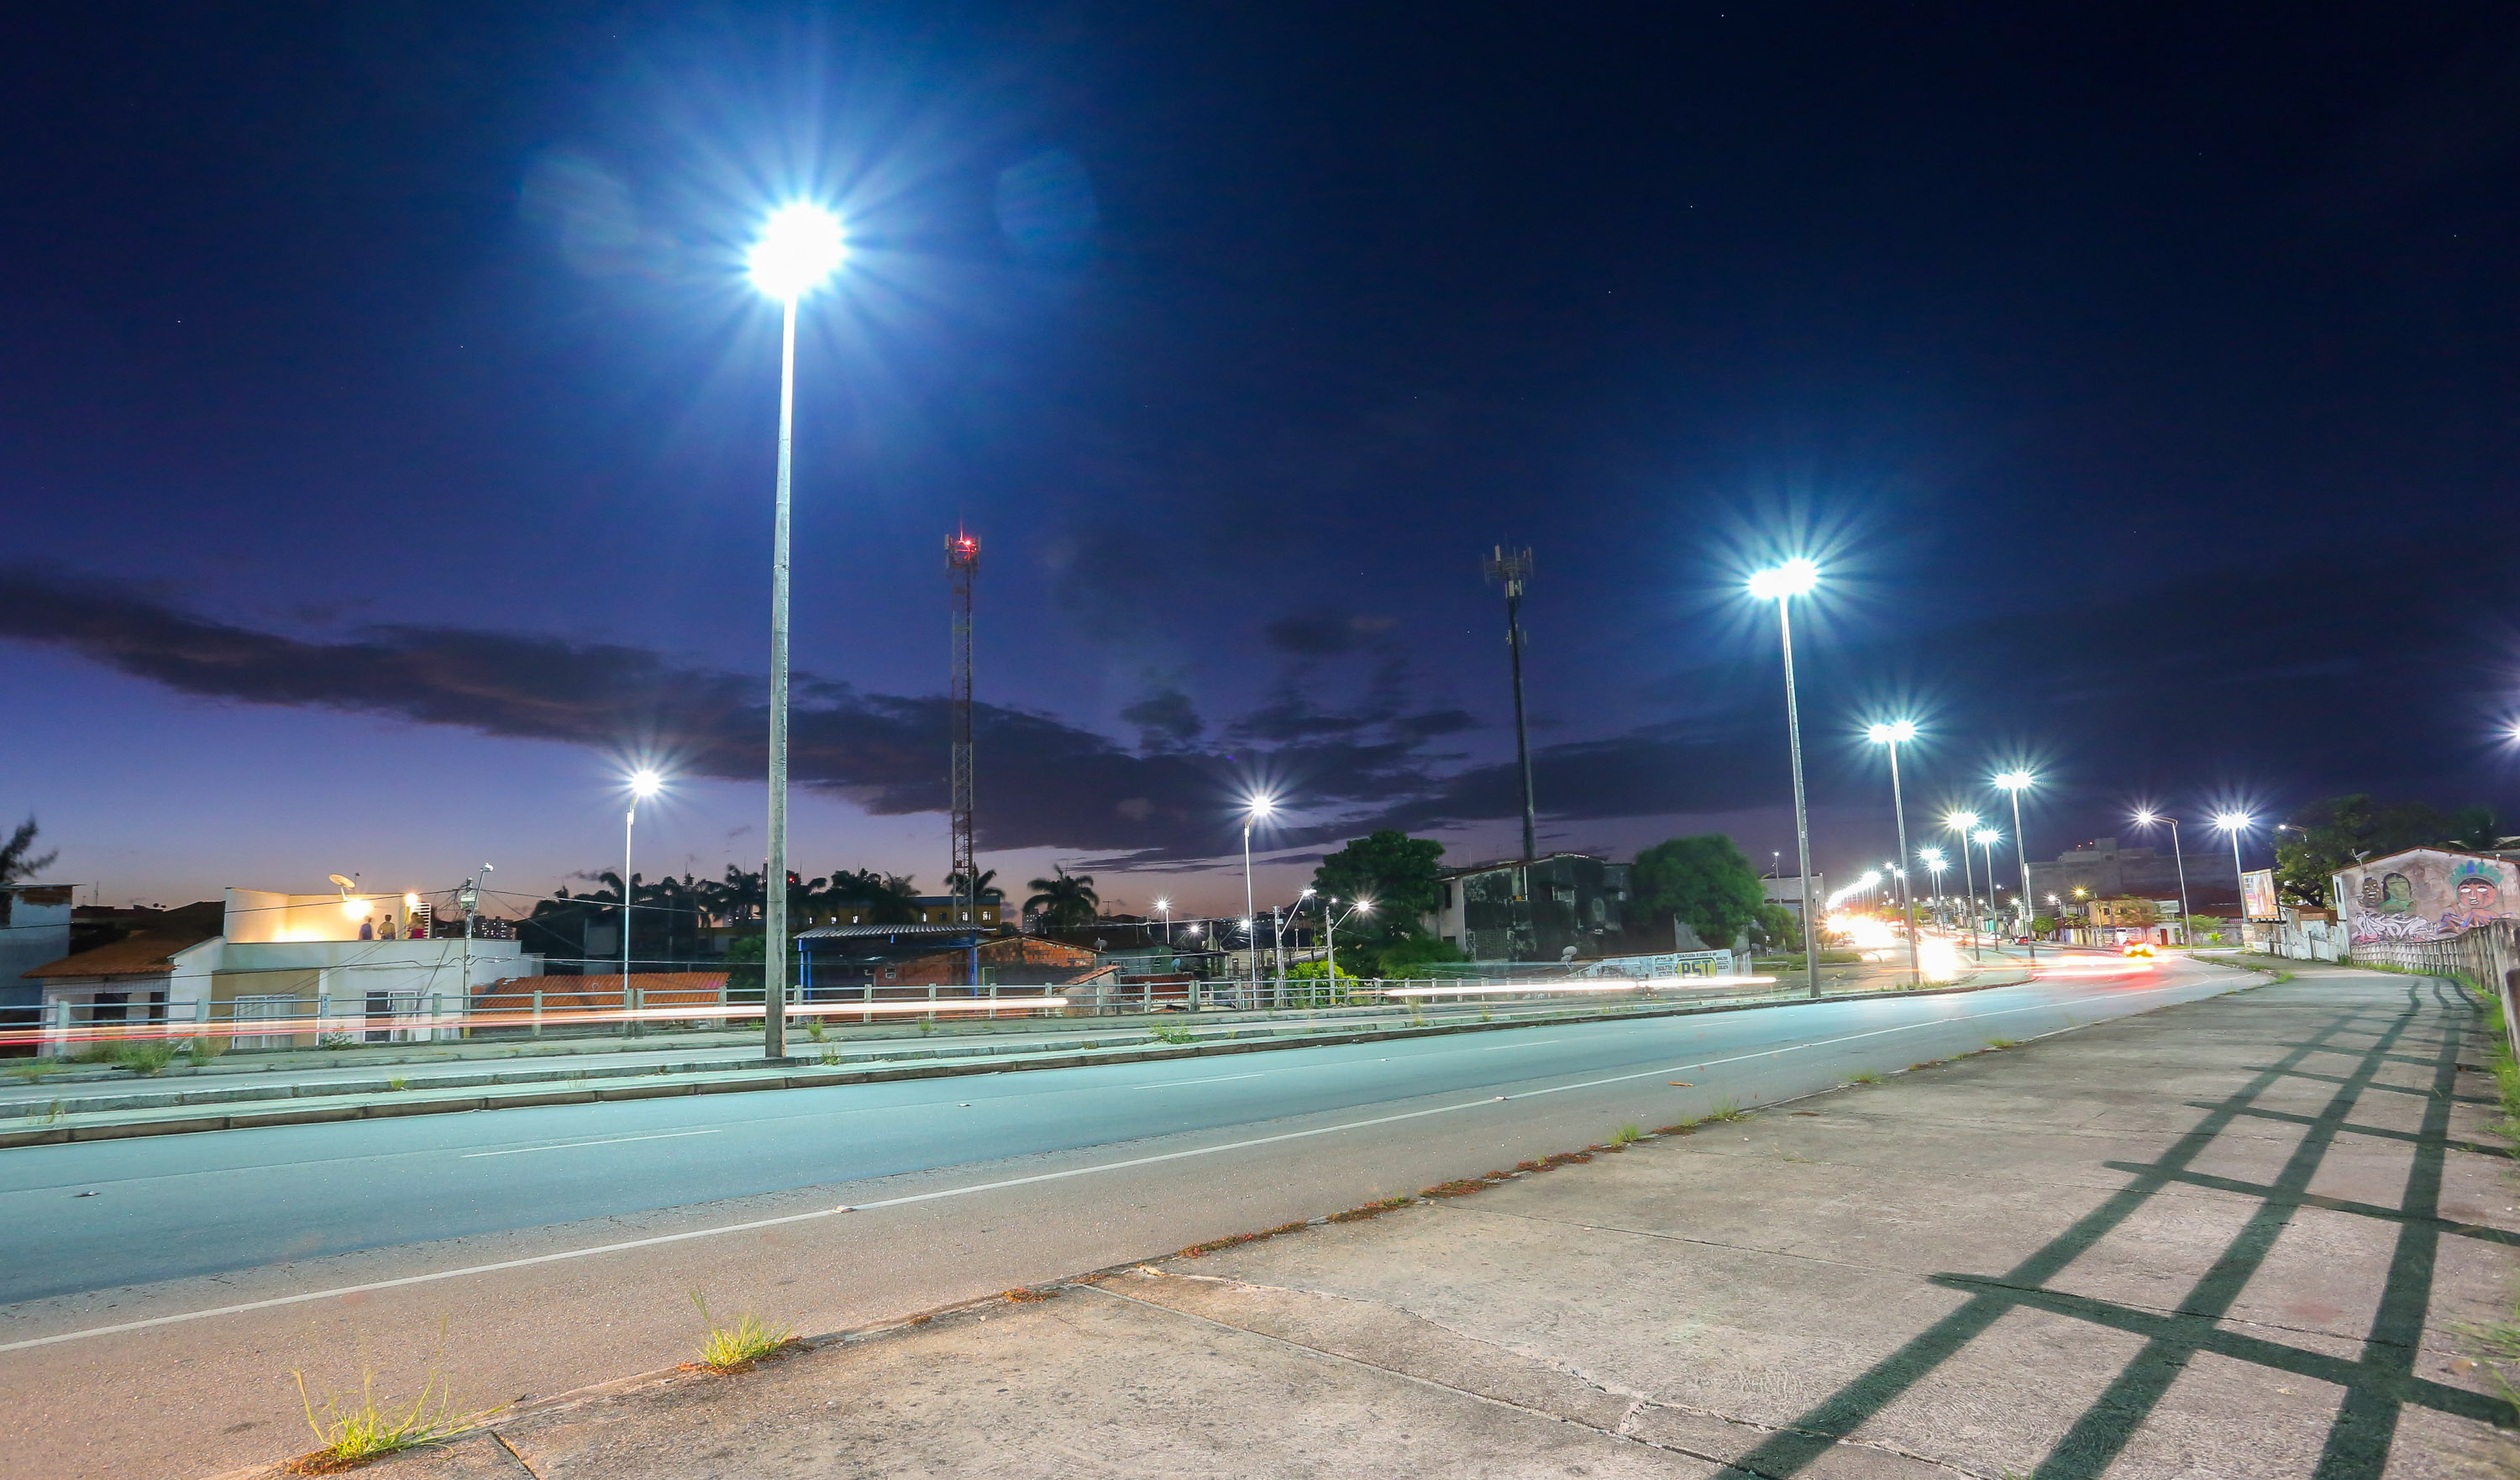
pixel 1986 839
pixel 1960 823
pixel 800 246
pixel 643 784
pixel 1793 578
pixel 1259 808
pixel 2015 781
pixel 2146 819
pixel 1891 736
pixel 2235 823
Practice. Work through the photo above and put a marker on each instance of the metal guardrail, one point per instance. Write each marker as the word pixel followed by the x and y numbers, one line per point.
pixel 353 1019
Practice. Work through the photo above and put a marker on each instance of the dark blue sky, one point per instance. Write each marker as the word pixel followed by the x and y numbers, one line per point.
pixel 385 429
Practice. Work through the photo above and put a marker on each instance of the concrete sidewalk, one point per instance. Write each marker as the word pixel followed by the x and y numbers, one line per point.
pixel 2232 1238
pixel 45 1114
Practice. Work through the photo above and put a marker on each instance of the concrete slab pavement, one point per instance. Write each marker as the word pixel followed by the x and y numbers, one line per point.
pixel 2230 1238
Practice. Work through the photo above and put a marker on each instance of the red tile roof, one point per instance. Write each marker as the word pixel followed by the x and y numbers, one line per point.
pixel 149 954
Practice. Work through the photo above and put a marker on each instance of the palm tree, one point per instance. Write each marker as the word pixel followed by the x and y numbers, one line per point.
pixel 1066 901
pixel 17 861
pixel 985 891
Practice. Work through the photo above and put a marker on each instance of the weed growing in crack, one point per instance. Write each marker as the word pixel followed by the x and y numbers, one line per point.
pixel 1865 1076
pixel 1724 1109
pixel 143 1058
pixel 1171 1034
pixel 1233 1240
pixel 2003 1043
pixel 351 1432
pixel 1373 1209
pixel 1627 1134
pixel 732 1348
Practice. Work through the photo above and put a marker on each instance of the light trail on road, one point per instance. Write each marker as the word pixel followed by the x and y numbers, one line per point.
pixel 177 1206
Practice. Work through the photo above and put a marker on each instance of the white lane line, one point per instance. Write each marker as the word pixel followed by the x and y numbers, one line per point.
pixel 1175 1084
pixel 985 1187
pixel 571 1145
pixel 1535 1043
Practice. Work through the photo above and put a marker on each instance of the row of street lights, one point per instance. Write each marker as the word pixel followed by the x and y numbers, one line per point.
pixel 1798 577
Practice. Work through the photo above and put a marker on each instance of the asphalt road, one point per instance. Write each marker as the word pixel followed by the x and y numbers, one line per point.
pixel 94 1215
pixel 156 1328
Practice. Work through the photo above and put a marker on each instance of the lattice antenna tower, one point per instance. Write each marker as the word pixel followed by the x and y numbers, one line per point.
pixel 1510 568
pixel 962 563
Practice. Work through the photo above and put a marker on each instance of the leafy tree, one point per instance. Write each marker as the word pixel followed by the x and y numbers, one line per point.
pixel 1406 956
pixel 744 958
pixel 1064 901
pixel 2475 829
pixel 2340 830
pixel 1705 883
pixel 1400 874
pixel 1776 928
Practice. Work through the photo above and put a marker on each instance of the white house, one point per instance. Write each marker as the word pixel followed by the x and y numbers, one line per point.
pixel 275 957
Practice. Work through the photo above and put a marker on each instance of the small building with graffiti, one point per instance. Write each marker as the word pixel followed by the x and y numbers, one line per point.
pixel 2426 894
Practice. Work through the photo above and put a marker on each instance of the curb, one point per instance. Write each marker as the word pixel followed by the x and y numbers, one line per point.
pixel 589 1091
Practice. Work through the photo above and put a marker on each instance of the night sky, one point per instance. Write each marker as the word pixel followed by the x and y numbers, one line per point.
pixel 386 429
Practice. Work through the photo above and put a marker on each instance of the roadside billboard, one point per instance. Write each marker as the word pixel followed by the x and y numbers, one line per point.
pixel 2258 895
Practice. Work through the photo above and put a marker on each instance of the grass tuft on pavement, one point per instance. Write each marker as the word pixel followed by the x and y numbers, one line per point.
pixel 350 1432
pixel 1865 1076
pixel 732 1348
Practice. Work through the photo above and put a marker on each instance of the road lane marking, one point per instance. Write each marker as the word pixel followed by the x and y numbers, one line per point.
pixel 1535 1043
pixel 610 1140
pixel 1175 1084
pixel 749 1225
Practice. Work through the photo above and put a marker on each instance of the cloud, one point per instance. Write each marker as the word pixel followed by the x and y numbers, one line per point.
pixel 1165 721
pixel 1044 783
pixel 1325 635
pixel 2360 674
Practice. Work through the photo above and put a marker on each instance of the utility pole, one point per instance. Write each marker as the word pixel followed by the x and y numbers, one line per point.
pixel 1511 569
pixel 962 563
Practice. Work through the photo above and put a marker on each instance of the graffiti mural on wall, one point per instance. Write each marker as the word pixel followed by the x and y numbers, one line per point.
pixel 2426 894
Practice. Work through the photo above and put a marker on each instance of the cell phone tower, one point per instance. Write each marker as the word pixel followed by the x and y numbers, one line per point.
pixel 962 563
pixel 1510 568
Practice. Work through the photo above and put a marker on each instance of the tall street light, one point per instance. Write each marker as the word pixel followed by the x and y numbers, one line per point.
pixel 1894 735
pixel 2235 823
pixel 2015 781
pixel 1256 810
pixel 1331 917
pixel 2145 819
pixel 1986 838
pixel 643 785
pixel 1935 864
pixel 1782 584
pixel 799 247
pixel 1164 907
pixel 1962 823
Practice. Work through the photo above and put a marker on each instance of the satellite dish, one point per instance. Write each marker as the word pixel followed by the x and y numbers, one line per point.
pixel 347 884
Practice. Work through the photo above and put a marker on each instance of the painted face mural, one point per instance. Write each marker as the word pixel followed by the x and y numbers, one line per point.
pixel 2397 894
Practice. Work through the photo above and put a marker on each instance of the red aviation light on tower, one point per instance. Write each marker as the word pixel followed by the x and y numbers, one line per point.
pixel 962 550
